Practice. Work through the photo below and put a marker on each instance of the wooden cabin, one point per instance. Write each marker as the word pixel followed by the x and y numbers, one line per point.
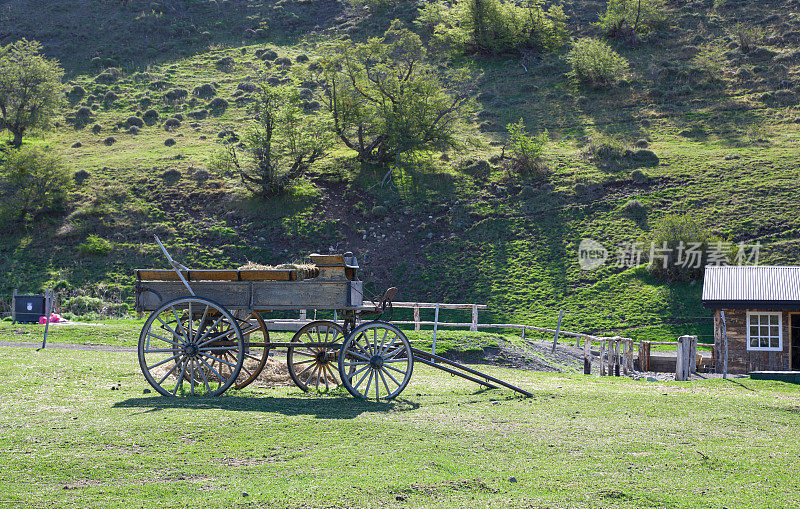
pixel 761 309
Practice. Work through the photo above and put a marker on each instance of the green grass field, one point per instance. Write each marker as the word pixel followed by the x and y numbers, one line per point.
pixel 68 440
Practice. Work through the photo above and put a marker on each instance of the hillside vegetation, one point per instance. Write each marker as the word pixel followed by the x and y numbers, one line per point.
pixel 701 119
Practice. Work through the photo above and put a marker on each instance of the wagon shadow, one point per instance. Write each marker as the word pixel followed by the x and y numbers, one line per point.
pixel 344 407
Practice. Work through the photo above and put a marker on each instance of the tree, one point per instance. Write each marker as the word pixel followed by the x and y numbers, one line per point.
pixel 30 88
pixel 280 146
pixel 386 100
pixel 33 182
pixel 627 18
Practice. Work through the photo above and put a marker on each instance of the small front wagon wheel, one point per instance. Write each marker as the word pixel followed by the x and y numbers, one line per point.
pixel 313 366
pixel 376 361
pixel 191 346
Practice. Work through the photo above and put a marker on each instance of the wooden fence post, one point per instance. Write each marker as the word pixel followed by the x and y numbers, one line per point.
pixel 435 329
pixel 302 314
pixel 725 353
pixel 587 352
pixel 602 357
pixel 625 366
pixel 558 329
pixel 683 359
pixel 416 317
pixel 474 326
pixel 47 305
pixel 692 354
pixel 617 345
pixel 14 307
pixel 644 356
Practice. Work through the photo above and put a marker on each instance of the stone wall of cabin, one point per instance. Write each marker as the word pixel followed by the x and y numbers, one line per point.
pixel 740 359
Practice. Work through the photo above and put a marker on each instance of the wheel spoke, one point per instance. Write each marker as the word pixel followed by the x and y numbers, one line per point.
pixel 354 373
pixel 174 334
pixel 221 379
pixel 395 369
pixel 179 383
pixel 355 387
pixel 390 376
pixel 380 374
pixel 163 339
pixel 366 390
pixel 218 359
pixel 208 330
pixel 164 362
pixel 168 373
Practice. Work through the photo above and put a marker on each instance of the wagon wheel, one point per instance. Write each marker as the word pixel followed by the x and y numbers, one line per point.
pixel 376 360
pixel 191 346
pixel 256 352
pixel 315 365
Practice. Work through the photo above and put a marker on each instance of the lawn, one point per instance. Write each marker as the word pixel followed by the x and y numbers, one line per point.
pixel 68 439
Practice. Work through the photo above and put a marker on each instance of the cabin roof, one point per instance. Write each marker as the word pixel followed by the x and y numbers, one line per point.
pixel 752 287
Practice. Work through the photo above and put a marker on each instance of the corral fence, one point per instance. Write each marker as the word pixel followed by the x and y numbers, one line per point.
pixel 616 354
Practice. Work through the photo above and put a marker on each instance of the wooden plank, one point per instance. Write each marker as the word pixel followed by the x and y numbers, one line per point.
pixel 213 275
pixel 333 260
pixel 158 275
pixel 432 305
pixel 267 275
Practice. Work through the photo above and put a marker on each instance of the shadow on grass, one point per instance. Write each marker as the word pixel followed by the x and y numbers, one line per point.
pixel 342 407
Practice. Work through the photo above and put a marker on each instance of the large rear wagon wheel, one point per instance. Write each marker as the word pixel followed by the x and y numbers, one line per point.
pixel 315 366
pixel 191 346
pixel 376 361
pixel 256 347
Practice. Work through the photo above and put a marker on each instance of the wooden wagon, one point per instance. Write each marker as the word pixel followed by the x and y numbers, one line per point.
pixel 206 334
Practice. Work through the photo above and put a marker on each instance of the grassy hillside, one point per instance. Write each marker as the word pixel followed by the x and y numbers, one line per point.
pixel 723 124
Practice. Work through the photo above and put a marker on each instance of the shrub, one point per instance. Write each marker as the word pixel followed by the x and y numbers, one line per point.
pixel 678 233
pixel 32 182
pixel 96 129
pixel 81 176
pixel 283 61
pixel 105 78
pixel 109 141
pixel 150 117
pixel 95 246
pixel 266 54
pixel 110 97
pixel 225 63
pixel 247 87
pixel 76 93
pixel 525 152
pixel 218 105
pixel 169 142
pixel 495 26
pixel 301 58
pixel 206 90
pixel 134 130
pixel 198 114
pixel 171 124
pixel 595 62
pixel 83 113
pixel 134 121
pixel 77 144
pixel 634 209
pixel 747 35
pixel 627 18
pixel 176 95
pixel 379 211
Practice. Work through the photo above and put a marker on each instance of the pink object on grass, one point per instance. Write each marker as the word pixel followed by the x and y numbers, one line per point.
pixel 54 318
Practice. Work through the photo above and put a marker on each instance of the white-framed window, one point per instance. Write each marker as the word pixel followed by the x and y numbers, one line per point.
pixel 764 331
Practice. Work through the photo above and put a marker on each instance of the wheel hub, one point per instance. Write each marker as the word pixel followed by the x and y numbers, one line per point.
pixel 376 361
pixel 191 350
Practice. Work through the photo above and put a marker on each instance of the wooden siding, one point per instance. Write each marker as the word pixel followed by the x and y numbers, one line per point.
pixel 740 359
